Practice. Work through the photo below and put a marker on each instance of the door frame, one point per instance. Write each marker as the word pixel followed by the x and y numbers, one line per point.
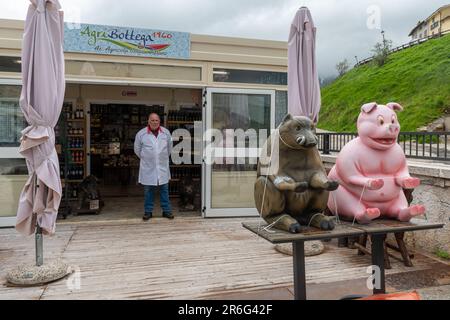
pixel 208 211
pixel 10 153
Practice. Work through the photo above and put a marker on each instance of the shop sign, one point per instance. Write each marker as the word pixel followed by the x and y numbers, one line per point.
pixel 91 38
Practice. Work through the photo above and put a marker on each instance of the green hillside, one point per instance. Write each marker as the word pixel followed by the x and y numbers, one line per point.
pixel 418 78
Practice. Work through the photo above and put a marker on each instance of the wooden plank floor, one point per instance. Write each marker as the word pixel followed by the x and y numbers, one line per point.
pixel 188 258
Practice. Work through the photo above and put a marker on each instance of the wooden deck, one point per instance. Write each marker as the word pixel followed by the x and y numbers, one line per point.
pixel 188 258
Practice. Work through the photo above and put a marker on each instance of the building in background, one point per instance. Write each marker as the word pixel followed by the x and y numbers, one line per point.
pixel 436 23
pixel 420 30
pixel 117 75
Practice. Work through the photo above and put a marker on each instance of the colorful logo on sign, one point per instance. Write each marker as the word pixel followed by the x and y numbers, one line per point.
pixel 126 41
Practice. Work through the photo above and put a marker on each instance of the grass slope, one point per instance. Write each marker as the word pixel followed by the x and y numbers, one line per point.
pixel 418 78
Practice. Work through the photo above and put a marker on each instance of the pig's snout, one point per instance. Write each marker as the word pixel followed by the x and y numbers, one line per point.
pixel 393 128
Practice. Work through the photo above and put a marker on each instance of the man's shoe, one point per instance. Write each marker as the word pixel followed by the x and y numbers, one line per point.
pixel 168 216
pixel 147 217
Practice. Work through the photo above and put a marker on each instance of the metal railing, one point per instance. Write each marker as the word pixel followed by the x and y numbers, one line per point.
pixel 406 46
pixel 416 145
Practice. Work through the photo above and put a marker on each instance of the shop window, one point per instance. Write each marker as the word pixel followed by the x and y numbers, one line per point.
pixel 250 76
pixel 128 70
pixel 11 117
pixel 281 106
pixel 13 168
pixel 10 64
pixel 13 176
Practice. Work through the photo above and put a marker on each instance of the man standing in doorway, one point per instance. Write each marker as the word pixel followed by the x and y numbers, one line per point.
pixel 153 145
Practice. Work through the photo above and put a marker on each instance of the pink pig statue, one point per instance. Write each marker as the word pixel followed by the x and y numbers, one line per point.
pixel 372 171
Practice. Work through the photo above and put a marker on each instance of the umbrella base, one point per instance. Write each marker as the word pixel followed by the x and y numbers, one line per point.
pixel 312 248
pixel 32 275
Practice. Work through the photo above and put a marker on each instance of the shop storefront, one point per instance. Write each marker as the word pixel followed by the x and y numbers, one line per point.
pixel 115 77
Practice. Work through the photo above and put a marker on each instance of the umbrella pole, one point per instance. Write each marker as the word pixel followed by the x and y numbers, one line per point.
pixel 39 241
pixel 39 247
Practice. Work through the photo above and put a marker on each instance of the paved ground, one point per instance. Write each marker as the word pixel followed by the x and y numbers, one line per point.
pixel 435 293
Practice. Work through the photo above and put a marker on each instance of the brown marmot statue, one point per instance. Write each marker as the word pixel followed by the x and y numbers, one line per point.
pixel 294 193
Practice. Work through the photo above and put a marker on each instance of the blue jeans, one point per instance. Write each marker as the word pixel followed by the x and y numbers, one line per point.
pixel 149 192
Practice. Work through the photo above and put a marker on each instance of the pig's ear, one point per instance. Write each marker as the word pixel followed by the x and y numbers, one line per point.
pixel 394 106
pixel 287 118
pixel 368 107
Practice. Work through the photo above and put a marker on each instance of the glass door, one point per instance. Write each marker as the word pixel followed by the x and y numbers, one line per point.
pixel 238 122
pixel 13 168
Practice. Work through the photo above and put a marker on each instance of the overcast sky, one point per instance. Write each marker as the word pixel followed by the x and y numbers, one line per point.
pixel 345 28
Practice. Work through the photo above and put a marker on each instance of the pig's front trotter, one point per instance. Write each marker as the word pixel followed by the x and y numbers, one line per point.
pixel 409 182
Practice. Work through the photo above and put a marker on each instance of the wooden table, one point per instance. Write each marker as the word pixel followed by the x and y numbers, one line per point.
pixel 378 230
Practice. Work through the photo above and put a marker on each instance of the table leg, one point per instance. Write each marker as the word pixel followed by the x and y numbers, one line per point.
pixel 378 260
pixel 402 248
pixel 298 249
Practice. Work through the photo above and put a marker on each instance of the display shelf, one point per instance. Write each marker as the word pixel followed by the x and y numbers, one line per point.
pixel 72 172
pixel 184 119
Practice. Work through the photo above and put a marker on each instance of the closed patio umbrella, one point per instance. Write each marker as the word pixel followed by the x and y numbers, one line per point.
pixel 303 81
pixel 41 100
pixel 43 87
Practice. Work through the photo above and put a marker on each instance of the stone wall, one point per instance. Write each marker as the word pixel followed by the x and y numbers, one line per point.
pixel 434 193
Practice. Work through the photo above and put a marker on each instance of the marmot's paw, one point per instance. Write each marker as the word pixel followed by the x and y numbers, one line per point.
pixel 295 228
pixel 327 225
pixel 301 187
pixel 332 186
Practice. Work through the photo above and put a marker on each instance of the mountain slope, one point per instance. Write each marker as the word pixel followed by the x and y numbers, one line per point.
pixel 418 78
